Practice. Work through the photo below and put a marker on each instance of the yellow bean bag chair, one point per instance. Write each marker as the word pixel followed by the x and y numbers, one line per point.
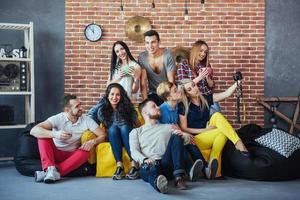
pixel 106 164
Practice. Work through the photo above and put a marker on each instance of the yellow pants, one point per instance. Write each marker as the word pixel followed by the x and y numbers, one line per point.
pixel 215 139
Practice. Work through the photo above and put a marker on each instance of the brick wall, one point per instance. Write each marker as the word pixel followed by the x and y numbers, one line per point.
pixel 234 30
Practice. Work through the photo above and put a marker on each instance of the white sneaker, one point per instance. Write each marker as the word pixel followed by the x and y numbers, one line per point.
pixel 162 184
pixel 211 169
pixel 196 169
pixel 39 176
pixel 52 175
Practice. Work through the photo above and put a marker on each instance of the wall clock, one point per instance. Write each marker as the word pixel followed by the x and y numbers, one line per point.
pixel 93 32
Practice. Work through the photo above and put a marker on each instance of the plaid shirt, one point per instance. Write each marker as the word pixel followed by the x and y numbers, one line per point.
pixel 184 71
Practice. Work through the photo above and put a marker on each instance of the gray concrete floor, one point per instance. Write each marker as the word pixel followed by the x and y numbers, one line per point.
pixel 14 186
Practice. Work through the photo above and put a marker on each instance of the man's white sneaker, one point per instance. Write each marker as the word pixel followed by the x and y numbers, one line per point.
pixel 162 184
pixel 52 175
pixel 39 176
pixel 211 169
pixel 196 169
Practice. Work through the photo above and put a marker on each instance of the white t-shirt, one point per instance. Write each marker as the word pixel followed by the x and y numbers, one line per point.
pixel 61 122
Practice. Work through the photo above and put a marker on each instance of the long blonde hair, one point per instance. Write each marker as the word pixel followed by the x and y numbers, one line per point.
pixel 194 54
pixel 186 101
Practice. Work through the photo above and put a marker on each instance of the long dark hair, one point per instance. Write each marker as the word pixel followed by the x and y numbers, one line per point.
pixel 125 109
pixel 114 57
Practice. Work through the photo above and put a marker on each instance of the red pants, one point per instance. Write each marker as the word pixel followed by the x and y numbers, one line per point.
pixel 64 161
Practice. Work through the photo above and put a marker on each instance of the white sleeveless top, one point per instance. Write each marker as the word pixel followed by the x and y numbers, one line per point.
pixel 126 81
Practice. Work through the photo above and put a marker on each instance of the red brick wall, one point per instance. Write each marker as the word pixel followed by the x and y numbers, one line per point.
pixel 234 30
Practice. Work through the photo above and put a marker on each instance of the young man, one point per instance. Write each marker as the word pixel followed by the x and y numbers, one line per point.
pixel 168 92
pixel 158 149
pixel 59 141
pixel 157 65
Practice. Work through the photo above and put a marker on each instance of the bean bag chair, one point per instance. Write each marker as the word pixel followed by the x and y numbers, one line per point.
pixel 106 163
pixel 263 164
pixel 27 157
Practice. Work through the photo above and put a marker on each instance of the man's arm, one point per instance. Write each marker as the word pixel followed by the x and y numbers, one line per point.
pixel 171 76
pixel 171 67
pixel 101 135
pixel 88 145
pixel 144 84
pixel 44 130
pixel 135 149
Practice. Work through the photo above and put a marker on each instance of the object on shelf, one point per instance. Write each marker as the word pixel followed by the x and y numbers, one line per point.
pixel 6 115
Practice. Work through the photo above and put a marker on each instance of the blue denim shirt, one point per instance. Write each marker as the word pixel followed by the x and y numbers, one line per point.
pixel 96 114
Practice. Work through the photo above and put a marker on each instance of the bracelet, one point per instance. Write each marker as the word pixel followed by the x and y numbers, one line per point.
pixel 144 160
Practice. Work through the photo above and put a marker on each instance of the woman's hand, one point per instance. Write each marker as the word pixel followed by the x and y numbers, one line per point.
pixel 192 139
pixel 131 71
pixel 203 73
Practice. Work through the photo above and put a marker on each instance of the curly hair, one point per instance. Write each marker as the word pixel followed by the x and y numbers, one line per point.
pixel 125 109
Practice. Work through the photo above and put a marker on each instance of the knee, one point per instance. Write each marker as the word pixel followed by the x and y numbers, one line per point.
pixel 44 141
pixel 217 116
pixel 125 130
pixel 113 132
pixel 177 139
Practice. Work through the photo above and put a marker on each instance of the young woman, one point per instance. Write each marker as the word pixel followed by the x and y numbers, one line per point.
pixel 211 132
pixel 199 70
pixel 124 69
pixel 118 115
pixel 168 92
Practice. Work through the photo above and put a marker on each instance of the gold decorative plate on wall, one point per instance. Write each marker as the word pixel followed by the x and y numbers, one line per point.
pixel 135 28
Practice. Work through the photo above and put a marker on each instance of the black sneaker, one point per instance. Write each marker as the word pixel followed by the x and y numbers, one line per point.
pixel 119 174
pixel 133 173
pixel 211 169
pixel 196 170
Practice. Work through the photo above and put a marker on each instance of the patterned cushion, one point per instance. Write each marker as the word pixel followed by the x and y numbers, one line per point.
pixel 280 141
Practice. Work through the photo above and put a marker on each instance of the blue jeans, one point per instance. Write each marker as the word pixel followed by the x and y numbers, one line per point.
pixel 215 107
pixel 191 154
pixel 170 165
pixel 118 137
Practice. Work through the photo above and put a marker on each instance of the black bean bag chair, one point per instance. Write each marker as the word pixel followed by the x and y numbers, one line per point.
pixel 27 156
pixel 264 164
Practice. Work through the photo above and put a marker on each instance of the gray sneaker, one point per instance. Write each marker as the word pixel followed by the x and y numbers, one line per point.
pixel 39 176
pixel 211 169
pixel 162 184
pixel 52 175
pixel 196 169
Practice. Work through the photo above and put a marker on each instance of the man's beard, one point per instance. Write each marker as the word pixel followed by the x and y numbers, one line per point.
pixel 157 116
pixel 78 114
